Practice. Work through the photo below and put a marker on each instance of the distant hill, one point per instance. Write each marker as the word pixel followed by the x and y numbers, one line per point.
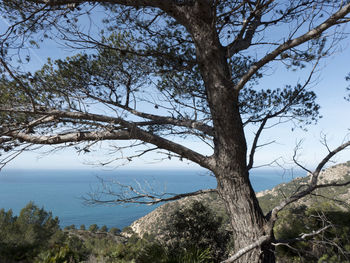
pixel 156 222
pixel 339 173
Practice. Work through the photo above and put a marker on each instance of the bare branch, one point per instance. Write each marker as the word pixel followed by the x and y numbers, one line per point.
pixel 313 33
pixel 246 249
pixel 255 142
pixel 14 154
pixel 272 215
pixel 297 147
pixel 302 237
pixel 138 197
pixel 271 115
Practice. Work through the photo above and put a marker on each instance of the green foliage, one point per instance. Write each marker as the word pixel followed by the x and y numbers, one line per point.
pixel 24 236
pixel 128 230
pixel 197 228
pixel 93 228
pixel 295 101
pixel 147 250
pixel 114 230
pixel 160 44
pixel 71 227
pixel 195 255
pixel 138 250
pixel 106 75
pixel 347 163
pixel 104 228
pixel 82 227
pixel 331 245
pixel 60 254
pixel 196 235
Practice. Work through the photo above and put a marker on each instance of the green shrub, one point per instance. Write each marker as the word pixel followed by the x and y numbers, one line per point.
pixel 104 228
pixel 93 228
pixel 332 245
pixel 114 230
pixel 71 227
pixel 195 255
pixel 60 254
pixel 23 237
pixel 128 230
pixel 197 228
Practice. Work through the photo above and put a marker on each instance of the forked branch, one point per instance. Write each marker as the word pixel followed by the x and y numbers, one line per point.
pixel 130 195
pixel 272 216
pixel 313 33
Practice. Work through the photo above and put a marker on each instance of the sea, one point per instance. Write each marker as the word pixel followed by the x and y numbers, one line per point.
pixel 64 192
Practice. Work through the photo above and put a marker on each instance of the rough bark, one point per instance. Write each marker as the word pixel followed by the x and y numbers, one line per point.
pixel 230 148
pixel 247 219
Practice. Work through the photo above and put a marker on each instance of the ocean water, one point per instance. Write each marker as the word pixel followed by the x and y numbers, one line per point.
pixel 62 191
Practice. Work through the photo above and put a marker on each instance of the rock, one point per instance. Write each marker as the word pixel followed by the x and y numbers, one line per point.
pixel 155 223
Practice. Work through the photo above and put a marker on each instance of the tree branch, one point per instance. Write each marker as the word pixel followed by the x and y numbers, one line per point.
pixel 302 237
pixel 272 215
pixel 163 4
pixel 255 142
pixel 313 33
pixel 134 196
pixel 246 249
pixel 248 29
pixel 200 126
pixel 131 131
pixel 20 83
pixel 156 119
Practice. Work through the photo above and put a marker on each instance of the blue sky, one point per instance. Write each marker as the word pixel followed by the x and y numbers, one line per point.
pixel 335 123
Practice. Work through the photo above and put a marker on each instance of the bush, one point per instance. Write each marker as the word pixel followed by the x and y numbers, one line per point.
pixel 71 227
pixel 128 230
pixel 93 228
pixel 104 228
pixel 195 255
pixel 23 237
pixel 146 251
pixel 332 245
pixel 197 228
pixel 114 230
pixel 60 254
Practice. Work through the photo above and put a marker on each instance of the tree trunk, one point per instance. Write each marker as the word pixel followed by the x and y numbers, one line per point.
pixel 230 154
pixel 246 217
pixel 230 150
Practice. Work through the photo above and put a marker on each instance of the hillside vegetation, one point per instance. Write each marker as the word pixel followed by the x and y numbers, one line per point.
pixel 192 230
pixel 325 206
pixel 158 220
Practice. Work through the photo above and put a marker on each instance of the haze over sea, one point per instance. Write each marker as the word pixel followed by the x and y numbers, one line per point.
pixel 61 191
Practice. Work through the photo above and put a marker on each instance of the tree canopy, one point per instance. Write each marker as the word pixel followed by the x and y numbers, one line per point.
pixel 151 71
